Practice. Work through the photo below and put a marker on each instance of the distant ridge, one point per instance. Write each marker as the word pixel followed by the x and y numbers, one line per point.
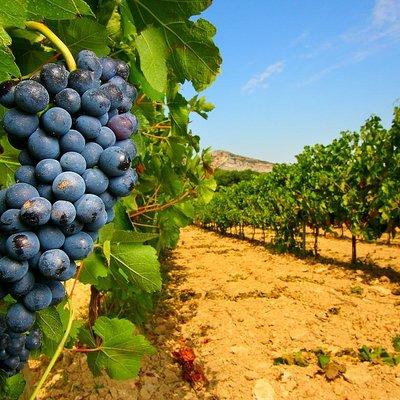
pixel 233 162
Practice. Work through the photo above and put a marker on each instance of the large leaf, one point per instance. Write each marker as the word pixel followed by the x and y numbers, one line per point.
pixel 193 56
pixel 57 9
pixel 11 388
pixel 83 33
pixel 8 68
pixel 153 54
pixel 93 268
pixel 50 323
pixel 137 264
pixel 120 351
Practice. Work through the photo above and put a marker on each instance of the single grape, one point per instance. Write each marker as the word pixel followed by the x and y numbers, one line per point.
pixel 36 211
pixel 106 137
pixel 22 246
pixel 119 82
pixel 24 355
pixel 63 213
pixel 38 298
pixel 25 158
pixel 128 146
pixel 46 170
pixel 78 246
pixel 123 125
pixel 50 237
pixel 91 153
pixel 19 193
pixel 74 162
pixel 12 363
pixel 72 141
pixel 86 59
pixel 10 221
pixel 46 191
pixel 95 180
pixel 57 291
pixel 121 186
pixel 68 186
pixel 103 119
pixel 95 103
pixel 81 80
pixel 19 319
pixel 56 121
pixel 131 92
pixel 122 69
pixel 68 99
pixel 15 344
pixel 108 199
pixel 19 123
pixel 114 161
pixel 98 224
pixel 113 93
pixel 54 77
pixel 126 105
pixel 26 174
pixel 31 96
pixel 109 68
pixel 41 145
pixel 89 208
pixel 88 126
pixel 68 273
pixel 70 229
pixel 33 339
pixel 7 94
pixel 23 286
pixel 53 263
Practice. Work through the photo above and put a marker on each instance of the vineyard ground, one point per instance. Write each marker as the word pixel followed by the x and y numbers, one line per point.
pixel 239 305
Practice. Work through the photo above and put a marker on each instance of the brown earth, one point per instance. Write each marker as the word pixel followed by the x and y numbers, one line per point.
pixel 239 305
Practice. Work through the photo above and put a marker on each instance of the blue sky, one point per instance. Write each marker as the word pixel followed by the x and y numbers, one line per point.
pixel 299 72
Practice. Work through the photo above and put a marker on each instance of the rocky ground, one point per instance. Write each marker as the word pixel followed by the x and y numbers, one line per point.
pixel 237 306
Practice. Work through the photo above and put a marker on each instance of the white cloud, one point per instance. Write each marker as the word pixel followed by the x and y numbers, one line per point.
pixel 386 11
pixel 261 80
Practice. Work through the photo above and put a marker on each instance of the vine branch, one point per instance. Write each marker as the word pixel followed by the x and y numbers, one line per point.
pixel 44 30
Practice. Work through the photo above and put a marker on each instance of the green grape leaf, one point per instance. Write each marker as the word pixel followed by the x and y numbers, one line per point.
pixel 8 68
pixel 49 321
pixel 8 162
pixel 120 351
pixel 83 33
pixel 13 13
pixel 107 251
pixel 120 236
pixel 121 219
pixel 11 388
pixel 57 9
pixel 93 268
pixel 153 54
pixel 137 264
pixel 137 76
pixel 128 27
pixel 193 54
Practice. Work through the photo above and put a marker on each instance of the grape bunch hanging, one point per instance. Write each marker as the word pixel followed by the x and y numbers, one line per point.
pixel 73 130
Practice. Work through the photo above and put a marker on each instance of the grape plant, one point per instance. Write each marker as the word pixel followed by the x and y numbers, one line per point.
pixel 351 182
pixel 99 170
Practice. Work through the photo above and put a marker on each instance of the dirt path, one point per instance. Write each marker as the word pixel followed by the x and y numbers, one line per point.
pixel 239 306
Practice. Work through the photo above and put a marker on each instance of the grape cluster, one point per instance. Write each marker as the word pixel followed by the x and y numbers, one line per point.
pixel 73 130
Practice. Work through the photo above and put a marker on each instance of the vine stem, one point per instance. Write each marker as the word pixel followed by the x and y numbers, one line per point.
pixel 44 30
pixel 56 354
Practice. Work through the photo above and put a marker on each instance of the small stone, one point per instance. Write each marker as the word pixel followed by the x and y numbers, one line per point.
pixel 356 375
pixel 381 291
pixel 263 390
pixel 239 349
pixel 251 375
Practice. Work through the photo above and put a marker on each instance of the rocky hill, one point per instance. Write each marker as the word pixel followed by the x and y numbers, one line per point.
pixel 232 162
